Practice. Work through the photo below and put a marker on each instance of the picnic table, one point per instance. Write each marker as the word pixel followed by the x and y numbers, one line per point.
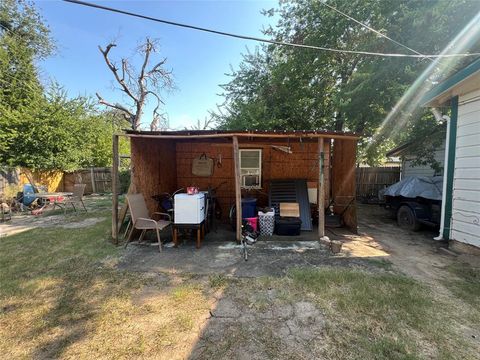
pixel 55 198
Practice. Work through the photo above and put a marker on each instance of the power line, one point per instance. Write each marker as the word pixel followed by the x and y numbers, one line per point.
pixel 372 29
pixel 252 38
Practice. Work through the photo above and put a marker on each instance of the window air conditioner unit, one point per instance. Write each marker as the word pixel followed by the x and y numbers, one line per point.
pixel 250 180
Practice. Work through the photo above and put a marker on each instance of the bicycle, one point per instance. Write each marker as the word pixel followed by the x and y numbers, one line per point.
pixel 248 238
pixel 166 202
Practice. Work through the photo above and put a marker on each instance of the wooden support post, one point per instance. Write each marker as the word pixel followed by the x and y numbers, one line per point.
pixel 92 178
pixel 321 189
pixel 115 190
pixel 238 190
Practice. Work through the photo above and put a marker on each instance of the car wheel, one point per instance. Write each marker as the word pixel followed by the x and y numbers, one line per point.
pixel 406 219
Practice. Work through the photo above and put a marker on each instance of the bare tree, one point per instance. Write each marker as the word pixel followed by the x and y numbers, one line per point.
pixel 206 124
pixel 140 84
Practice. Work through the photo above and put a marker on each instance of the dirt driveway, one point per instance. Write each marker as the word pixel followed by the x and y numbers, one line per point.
pixel 415 254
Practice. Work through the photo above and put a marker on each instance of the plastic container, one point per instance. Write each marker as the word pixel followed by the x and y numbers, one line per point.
pixel 266 220
pixel 288 226
pixel 249 206
pixel 253 222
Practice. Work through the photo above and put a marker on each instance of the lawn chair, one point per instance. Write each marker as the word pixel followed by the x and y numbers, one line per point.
pixel 76 198
pixel 141 219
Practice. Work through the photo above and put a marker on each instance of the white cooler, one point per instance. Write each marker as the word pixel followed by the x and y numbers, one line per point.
pixel 189 209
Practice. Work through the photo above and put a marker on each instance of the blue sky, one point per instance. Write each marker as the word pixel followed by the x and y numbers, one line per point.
pixel 199 60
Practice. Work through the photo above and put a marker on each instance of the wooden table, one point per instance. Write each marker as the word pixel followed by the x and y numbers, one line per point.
pixel 52 197
pixel 200 228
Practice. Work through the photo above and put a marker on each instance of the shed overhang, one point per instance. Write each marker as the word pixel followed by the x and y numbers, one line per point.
pixel 229 134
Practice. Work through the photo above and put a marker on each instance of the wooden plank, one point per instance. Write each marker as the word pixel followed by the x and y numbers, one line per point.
pixel 115 190
pixel 246 135
pixel 92 178
pixel 321 189
pixel 238 191
pixel 289 209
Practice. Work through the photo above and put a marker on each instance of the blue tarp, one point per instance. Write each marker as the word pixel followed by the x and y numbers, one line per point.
pixel 417 186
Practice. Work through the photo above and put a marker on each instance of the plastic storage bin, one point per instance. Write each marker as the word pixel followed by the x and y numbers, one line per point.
pixel 249 206
pixel 288 226
pixel 253 222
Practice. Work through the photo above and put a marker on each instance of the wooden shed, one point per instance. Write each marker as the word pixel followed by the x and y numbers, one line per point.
pixel 162 162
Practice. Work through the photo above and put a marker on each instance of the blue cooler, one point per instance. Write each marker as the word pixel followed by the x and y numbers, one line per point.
pixel 28 194
pixel 249 207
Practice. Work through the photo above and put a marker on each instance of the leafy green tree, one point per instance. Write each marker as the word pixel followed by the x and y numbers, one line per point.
pixel 44 129
pixel 290 88
pixel 23 38
pixel 61 133
pixel 19 19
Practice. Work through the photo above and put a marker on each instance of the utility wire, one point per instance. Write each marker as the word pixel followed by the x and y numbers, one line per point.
pixel 252 38
pixel 372 29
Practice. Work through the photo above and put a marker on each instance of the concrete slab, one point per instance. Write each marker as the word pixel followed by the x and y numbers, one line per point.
pixel 265 258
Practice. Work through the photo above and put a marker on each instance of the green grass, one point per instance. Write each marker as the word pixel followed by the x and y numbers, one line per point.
pixel 381 263
pixel 380 316
pixel 465 285
pixel 62 296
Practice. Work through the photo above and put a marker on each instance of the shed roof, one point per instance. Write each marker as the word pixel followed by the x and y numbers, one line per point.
pixel 468 78
pixel 404 148
pixel 182 134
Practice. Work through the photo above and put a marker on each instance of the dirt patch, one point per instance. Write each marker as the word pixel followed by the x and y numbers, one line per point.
pixel 82 223
pixel 259 326
pixel 56 217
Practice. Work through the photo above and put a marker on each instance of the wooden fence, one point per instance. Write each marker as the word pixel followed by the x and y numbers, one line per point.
pixel 371 179
pixel 8 176
pixel 97 179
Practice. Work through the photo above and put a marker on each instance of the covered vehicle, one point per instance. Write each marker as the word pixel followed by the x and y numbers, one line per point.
pixel 415 200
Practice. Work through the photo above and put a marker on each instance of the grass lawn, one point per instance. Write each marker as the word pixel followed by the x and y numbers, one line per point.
pixel 62 296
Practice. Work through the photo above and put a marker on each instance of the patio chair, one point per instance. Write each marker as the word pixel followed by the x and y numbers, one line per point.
pixel 141 220
pixel 76 198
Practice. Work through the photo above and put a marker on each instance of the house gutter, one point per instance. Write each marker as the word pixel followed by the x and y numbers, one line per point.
pixel 440 119
pixel 449 168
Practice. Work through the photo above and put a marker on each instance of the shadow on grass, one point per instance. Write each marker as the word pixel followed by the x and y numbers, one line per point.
pixel 82 290
pixel 51 278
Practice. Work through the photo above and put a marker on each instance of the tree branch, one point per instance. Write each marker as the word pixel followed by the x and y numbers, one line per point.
pixel 141 77
pixel 114 70
pixel 102 101
pixel 156 67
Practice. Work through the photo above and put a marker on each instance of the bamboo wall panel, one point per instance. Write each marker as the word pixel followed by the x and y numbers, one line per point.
pixel 187 151
pixel 153 168
pixel 301 164
pixel 343 180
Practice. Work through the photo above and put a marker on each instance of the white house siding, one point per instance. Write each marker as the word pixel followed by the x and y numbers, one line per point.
pixel 465 225
pixel 408 169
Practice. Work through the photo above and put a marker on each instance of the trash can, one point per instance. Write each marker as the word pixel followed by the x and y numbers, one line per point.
pixel 249 205
pixel 266 219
